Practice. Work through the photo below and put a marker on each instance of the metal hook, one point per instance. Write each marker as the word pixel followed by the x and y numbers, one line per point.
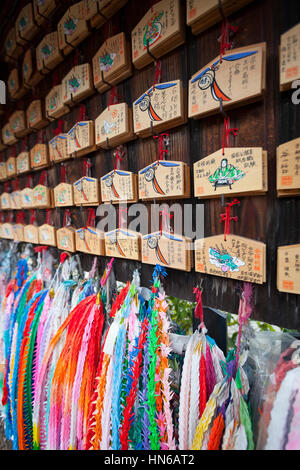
pixel 220 6
pixel 109 147
pixel 68 43
pixel 150 53
pixel 104 81
pixel 222 109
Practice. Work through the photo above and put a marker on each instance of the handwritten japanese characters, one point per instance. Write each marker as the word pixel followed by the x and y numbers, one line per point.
pixel 81 139
pixel 114 126
pixel 167 249
pixel 123 243
pixel 289 57
pixel 119 186
pixel 58 148
pixel 288 168
pixel 288 269
pixel 86 191
pixel 90 240
pixel 77 84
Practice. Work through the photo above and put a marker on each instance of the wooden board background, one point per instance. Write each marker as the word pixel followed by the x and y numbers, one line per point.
pixel 267 123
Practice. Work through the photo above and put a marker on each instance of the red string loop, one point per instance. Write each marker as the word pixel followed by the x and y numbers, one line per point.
pixel 43 177
pixel 82 113
pixel 227 130
pixel 164 214
pixel 63 173
pixel 157 75
pixel 67 217
pixel 91 218
pixel 32 216
pixel 48 217
pixel 121 220
pixel 20 217
pixel 25 144
pixel 161 150
pixel 59 129
pixel 118 158
pixel 113 96
pixel 86 166
pixel 199 306
pixel 225 43
pixel 226 217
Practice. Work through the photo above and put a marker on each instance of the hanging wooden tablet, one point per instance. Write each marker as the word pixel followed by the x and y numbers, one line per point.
pixel 167 249
pixel 86 191
pixel 5 201
pixel 18 232
pixel 12 49
pixel 43 9
pixel 164 179
pixel 11 167
pixel 8 136
pixel 77 84
pixel 3 171
pixel 31 76
pixel 7 231
pixel 15 86
pixel 47 235
pixel 237 258
pixel 72 28
pixel 25 26
pixel 31 234
pixel 288 269
pixel 55 107
pixel 42 197
pixel 66 239
pixel 16 200
pixel 112 63
pixel 18 124
pixel 48 54
pixel 23 163
pixel 123 243
pixel 90 240
pixel 201 15
pixel 289 57
pixel 81 139
pixel 58 148
pixel 288 168
pixel 63 195
pixel 39 157
pixel 27 198
pixel 159 109
pixel 162 28
pixel 114 126
pixel 119 186
pixel 100 11
pixel 239 170
pixel 35 115
pixel 239 78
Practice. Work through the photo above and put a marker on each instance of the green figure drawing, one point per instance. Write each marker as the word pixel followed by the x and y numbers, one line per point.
pixel 225 175
pixel 106 61
pixel 46 51
pixel 70 26
pixel 153 30
pixel 74 84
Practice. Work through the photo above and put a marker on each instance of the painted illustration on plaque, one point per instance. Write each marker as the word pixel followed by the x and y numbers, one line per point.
pixel 74 83
pixel 153 244
pixel 149 175
pixel 207 78
pixel 145 104
pixel 225 175
pixel 107 61
pixel 153 30
pixel 113 238
pixel 224 260
pixel 70 26
pixel 46 51
pixel 107 127
pixel 109 181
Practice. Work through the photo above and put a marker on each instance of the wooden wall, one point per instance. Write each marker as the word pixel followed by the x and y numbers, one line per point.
pixel 266 123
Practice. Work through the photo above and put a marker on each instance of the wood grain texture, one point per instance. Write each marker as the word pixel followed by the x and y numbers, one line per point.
pixel 266 123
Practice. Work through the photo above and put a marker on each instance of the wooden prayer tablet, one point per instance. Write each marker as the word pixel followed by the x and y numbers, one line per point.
pixel 12 49
pixel 23 163
pixel 7 231
pixel 236 258
pixel 159 109
pixel 3 171
pixel 11 167
pixel 42 197
pixel 35 115
pixel 16 200
pixel 31 234
pixel 48 54
pixel 1 236
pixel 100 11
pixel 5 201
pixel 114 126
pixel 81 139
pixel 239 171
pixel 39 157
pixel 288 168
pixel 119 186
pixel 18 124
pixel 77 84
pixel 43 9
pixel 18 231
pixel 55 107
pixel 90 240
pixel 164 179
pixel 58 148
pixel 123 243
pixel 63 195
pixel 86 191
pixel 288 269
pixel 239 79
pixel 31 76
pixel 8 136
pixel 162 28
pixel 47 235
pixel 15 86
pixel 66 239
pixel 289 57
pixel 112 63
pixel 202 14
pixel 72 28
pixel 27 198
pixel 25 26
pixel 167 249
